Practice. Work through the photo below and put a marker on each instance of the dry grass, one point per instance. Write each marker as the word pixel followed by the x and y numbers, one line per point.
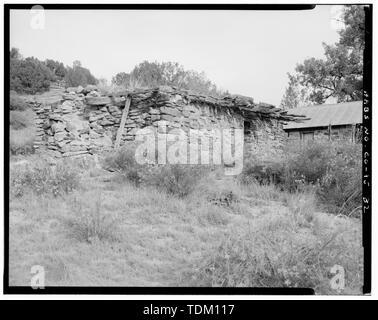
pixel 40 177
pixel 22 132
pixel 116 234
pixel 21 141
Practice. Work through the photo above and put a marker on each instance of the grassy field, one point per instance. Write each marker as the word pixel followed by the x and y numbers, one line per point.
pixel 108 232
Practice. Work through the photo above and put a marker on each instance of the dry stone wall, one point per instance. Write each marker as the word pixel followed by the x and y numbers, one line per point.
pixel 264 139
pixel 87 122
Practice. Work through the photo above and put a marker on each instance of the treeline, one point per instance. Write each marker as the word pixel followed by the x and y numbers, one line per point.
pixel 30 75
pixel 153 74
pixel 339 74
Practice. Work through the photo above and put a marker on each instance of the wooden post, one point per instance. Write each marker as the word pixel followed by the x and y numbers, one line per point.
pixel 353 132
pixel 123 122
pixel 329 132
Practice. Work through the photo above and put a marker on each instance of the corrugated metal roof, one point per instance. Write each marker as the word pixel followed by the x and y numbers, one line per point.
pixel 326 114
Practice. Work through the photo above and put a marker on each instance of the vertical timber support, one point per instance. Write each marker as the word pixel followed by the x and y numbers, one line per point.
pixel 329 132
pixel 123 122
pixel 354 132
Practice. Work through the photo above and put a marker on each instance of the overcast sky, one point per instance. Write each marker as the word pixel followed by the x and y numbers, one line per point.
pixel 245 52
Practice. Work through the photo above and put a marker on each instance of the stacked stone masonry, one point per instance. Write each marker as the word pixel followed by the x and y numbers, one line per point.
pixel 86 121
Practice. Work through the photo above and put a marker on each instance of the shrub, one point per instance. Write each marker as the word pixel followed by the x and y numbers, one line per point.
pixel 89 223
pixel 21 141
pixel 17 103
pixel 56 67
pixel 220 193
pixel 263 172
pixel 21 119
pixel 22 132
pixel 333 169
pixel 179 180
pixel 30 75
pixel 341 186
pixel 306 163
pixel 78 76
pixel 41 178
pixel 123 161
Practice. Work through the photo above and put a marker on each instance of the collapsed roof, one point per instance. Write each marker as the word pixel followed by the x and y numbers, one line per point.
pixel 245 105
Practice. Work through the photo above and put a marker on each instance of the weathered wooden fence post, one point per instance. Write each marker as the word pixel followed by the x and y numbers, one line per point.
pixel 353 132
pixel 123 122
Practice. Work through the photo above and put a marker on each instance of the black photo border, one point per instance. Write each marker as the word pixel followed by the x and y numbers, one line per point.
pixel 366 154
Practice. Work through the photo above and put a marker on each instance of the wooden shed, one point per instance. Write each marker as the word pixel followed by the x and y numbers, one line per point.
pixel 328 121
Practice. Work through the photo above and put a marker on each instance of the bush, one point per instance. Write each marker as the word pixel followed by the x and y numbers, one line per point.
pixel 17 103
pixel 57 68
pixel 123 161
pixel 333 169
pixel 306 163
pixel 78 76
pixel 21 141
pixel 22 132
pixel 41 178
pixel 21 119
pixel 218 192
pixel 341 186
pixel 179 180
pixel 30 75
pixel 263 172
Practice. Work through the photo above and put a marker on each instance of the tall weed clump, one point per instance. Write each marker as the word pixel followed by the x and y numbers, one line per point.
pixel 21 142
pixel 341 186
pixel 41 178
pixel 17 102
pixel 124 163
pixel 333 169
pixel 177 179
pixel 22 132
pixel 279 250
pixel 89 221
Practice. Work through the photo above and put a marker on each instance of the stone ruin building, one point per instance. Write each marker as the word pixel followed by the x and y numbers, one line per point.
pixel 88 122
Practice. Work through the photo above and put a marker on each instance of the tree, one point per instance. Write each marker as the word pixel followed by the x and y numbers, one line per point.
pixel 76 64
pixel 56 67
pixel 121 79
pixel 353 35
pixel 296 95
pixel 15 54
pixel 79 76
pixel 153 74
pixel 340 74
pixel 29 75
